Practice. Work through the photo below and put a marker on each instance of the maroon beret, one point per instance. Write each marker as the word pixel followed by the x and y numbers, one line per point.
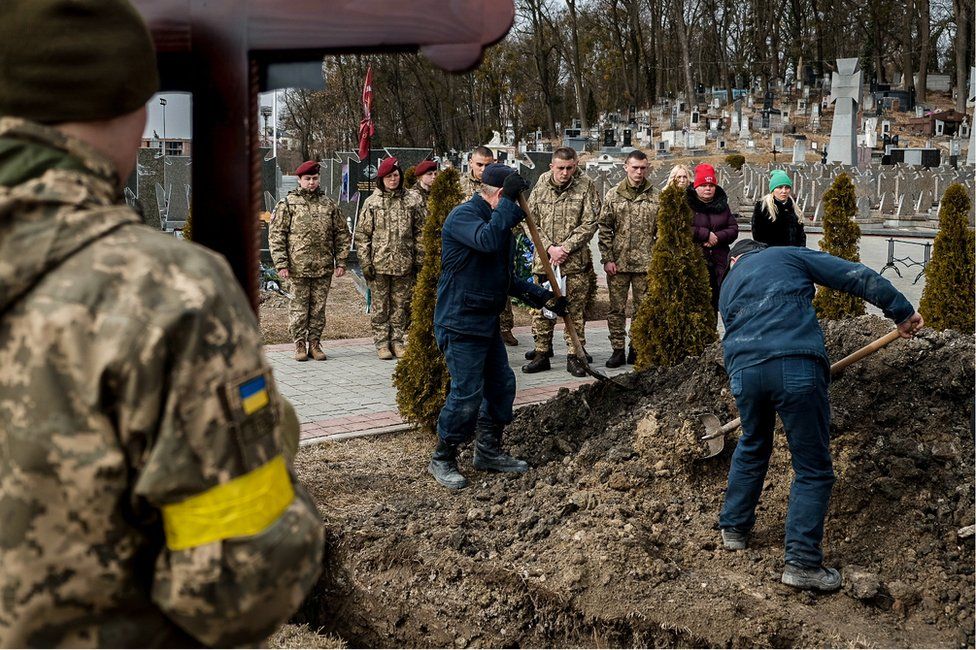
pixel 424 167
pixel 309 167
pixel 387 167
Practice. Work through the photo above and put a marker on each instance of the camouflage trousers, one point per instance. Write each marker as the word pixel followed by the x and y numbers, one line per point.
pixel 578 289
pixel 391 296
pixel 306 312
pixel 619 286
pixel 506 320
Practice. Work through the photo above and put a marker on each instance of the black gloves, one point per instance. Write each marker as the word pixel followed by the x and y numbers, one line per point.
pixel 513 186
pixel 559 306
pixel 369 273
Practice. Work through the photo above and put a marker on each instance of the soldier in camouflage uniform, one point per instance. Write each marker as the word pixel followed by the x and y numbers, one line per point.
pixel 628 230
pixel 471 184
pixel 388 236
pixel 566 207
pixel 145 498
pixel 309 240
pixel 425 172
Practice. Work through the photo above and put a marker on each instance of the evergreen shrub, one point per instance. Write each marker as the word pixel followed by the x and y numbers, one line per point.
pixel 841 237
pixel 947 299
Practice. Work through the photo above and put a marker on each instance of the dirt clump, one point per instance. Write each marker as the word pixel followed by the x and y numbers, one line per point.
pixel 611 538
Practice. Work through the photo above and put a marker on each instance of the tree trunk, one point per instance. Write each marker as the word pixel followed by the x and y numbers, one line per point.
pixel 680 28
pixel 576 62
pixel 962 11
pixel 907 65
pixel 924 46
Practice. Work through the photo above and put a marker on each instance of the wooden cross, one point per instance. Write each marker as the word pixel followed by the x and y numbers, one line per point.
pixel 220 51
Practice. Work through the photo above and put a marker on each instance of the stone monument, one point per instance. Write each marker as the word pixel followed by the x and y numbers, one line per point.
pixel 971 158
pixel 845 94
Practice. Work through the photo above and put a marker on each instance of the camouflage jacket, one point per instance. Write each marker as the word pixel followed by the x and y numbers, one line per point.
pixel 308 235
pixel 469 185
pixel 144 497
pixel 424 197
pixel 566 217
pixel 628 227
pixel 389 230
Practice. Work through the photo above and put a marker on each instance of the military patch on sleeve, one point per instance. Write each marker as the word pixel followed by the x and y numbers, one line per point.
pixel 254 395
pixel 252 406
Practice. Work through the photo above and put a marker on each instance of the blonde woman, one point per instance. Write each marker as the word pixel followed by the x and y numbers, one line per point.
pixel 776 218
pixel 680 175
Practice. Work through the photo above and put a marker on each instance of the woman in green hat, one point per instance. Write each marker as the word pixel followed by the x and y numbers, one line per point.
pixel 776 219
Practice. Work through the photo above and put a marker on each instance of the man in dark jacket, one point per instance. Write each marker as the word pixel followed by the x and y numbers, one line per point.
pixel 477 251
pixel 777 363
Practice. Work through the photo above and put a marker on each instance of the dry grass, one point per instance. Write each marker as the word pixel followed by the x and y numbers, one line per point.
pixel 300 636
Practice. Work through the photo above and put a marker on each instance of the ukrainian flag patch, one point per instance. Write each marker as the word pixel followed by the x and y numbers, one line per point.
pixel 254 395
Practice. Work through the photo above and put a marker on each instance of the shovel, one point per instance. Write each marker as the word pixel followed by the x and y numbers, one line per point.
pixel 715 431
pixel 541 252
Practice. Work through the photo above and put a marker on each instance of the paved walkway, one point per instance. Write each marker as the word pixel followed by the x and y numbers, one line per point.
pixel 352 392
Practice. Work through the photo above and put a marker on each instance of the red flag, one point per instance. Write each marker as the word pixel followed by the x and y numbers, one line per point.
pixel 366 129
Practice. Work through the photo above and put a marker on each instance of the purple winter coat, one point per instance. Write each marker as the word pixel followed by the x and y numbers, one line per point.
pixel 715 217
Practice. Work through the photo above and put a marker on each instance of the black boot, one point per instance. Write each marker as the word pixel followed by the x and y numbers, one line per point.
pixel 616 359
pixel 574 366
pixel 488 454
pixel 530 355
pixel 538 364
pixel 589 359
pixel 443 466
pixel 631 356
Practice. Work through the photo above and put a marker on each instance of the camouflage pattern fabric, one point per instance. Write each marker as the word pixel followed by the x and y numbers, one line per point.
pixel 619 286
pixel 423 196
pixel 506 320
pixel 308 234
pixel 135 405
pixel 565 217
pixel 577 292
pixel 306 312
pixel 391 308
pixel 628 227
pixel 470 185
pixel 388 232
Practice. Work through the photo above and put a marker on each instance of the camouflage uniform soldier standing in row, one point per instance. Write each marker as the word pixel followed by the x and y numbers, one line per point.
pixel 628 230
pixel 145 498
pixel 566 206
pixel 309 240
pixel 425 172
pixel 388 242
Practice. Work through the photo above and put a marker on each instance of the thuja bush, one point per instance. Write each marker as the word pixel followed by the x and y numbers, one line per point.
pixel 947 299
pixel 676 318
pixel 735 161
pixel 841 237
pixel 410 177
pixel 421 378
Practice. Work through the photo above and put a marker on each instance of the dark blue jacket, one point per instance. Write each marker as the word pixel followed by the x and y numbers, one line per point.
pixel 477 250
pixel 767 303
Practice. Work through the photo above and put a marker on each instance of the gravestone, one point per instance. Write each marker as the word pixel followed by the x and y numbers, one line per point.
pixel 800 151
pixel 863 208
pixel 845 95
pixel 971 158
pixel 815 117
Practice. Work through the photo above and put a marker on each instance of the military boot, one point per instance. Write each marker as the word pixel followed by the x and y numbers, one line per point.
pixel 443 466
pixel 574 366
pixel 399 349
pixel 530 355
pixel 315 349
pixel 539 363
pixel 488 454
pixel 384 353
pixel 509 338
pixel 631 356
pixel 301 351
pixel 616 359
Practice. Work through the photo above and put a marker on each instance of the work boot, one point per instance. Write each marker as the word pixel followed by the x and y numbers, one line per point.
pixel 509 338
pixel 631 356
pixel 301 352
pixel 315 349
pixel 488 454
pixel 574 366
pixel 734 540
pixel 616 359
pixel 384 353
pixel 530 355
pixel 821 578
pixel 539 363
pixel 399 349
pixel 443 466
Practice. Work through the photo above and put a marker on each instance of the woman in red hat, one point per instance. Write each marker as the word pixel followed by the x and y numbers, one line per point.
pixel 388 244
pixel 714 225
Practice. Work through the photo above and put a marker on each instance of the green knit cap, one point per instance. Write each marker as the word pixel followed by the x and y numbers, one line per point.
pixel 778 178
pixel 74 60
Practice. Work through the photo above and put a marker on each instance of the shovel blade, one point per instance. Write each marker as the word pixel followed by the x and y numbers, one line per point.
pixel 714 439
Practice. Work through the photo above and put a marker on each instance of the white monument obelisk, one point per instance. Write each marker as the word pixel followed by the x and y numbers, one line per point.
pixel 845 94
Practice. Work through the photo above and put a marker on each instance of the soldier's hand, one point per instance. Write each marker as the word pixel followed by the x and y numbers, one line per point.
pixel 369 272
pixel 610 268
pixel 513 186
pixel 283 274
pixel 340 271
pixel 559 306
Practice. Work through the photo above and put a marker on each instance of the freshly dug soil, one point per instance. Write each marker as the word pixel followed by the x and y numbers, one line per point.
pixel 611 538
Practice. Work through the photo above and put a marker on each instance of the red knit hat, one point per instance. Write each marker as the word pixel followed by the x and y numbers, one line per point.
pixel 387 167
pixel 309 167
pixel 424 167
pixel 705 175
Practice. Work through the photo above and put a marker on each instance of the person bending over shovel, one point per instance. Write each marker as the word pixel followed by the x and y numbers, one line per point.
pixel 477 248
pixel 777 363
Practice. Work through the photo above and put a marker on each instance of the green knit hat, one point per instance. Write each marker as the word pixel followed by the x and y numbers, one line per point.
pixel 778 178
pixel 74 60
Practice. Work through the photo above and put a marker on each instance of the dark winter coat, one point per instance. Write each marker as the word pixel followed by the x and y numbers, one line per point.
pixel 715 217
pixel 477 251
pixel 787 230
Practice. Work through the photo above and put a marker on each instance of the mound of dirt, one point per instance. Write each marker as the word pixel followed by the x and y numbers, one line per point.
pixel 611 538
